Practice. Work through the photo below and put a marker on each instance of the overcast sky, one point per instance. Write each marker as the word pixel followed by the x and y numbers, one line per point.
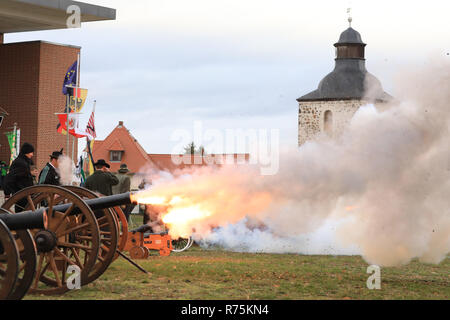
pixel 163 64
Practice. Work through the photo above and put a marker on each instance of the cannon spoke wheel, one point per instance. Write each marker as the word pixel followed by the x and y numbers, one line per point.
pixel 9 262
pixel 109 233
pixel 27 262
pixel 74 233
pixel 181 244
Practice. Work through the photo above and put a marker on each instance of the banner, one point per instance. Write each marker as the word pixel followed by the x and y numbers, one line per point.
pixel 12 140
pixel 80 170
pixel 73 124
pixel 70 78
pixel 90 146
pixel 80 96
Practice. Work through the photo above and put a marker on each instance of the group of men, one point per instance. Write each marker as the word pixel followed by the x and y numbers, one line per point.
pixel 20 176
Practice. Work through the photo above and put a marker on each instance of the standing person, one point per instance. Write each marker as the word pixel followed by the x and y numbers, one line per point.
pixel 50 173
pixel 3 172
pixel 102 179
pixel 123 186
pixel 145 209
pixel 124 180
pixel 19 176
pixel 34 174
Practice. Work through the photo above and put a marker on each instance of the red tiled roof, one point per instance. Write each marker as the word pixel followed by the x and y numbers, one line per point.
pixel 134 155
pixel 172 163
pixel 116 146
pixel 138 160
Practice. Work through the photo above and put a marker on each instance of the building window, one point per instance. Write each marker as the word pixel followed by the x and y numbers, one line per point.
pixel 328 123
pixel 115 156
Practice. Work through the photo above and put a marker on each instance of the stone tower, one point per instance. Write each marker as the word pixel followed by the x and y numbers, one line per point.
pixel 330 108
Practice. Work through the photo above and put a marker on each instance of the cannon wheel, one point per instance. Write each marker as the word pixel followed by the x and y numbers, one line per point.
pixel 181 244
pixel 123 229
pixel 109 234
pixel 9 262
pixel 77 237
pixel 27 262
pixel 139 253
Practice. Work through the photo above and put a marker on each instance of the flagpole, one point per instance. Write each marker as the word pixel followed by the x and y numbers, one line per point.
pixel 76 100
pixel 15 141
pixel 67 120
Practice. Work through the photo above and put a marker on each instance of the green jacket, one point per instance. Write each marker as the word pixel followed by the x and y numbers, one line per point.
pixel 101 182
pixel 123 185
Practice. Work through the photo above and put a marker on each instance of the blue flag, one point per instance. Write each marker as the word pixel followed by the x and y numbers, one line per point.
pixel 71 78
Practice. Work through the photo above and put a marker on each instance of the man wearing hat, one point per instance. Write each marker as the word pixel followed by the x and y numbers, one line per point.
pixel 124 180
pixel 50 174
pixel 123 186
pixel 19 175
pixel 102 179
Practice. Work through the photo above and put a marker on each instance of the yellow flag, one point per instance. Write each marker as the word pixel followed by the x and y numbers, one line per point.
pixel 80 100
pixel 91 163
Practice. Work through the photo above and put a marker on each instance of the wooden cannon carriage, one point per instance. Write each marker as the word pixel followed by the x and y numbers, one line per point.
pixel 59 227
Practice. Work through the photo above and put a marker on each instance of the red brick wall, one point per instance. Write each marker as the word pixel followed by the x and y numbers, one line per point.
pixel 31 77
pixel 55 60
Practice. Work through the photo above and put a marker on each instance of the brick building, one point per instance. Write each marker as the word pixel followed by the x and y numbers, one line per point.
pixel 329 109
pixel 32 73
pixel 30 90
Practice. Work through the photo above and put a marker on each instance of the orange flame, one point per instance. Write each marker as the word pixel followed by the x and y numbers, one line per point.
pixel 202 204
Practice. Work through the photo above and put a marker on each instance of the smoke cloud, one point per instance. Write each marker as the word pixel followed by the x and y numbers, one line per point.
pixel 381 190
pixel 66 169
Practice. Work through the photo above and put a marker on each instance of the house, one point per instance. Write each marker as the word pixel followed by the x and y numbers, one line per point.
pixel 120 147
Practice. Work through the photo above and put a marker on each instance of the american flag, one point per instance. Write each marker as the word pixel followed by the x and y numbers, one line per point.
pixel 90 128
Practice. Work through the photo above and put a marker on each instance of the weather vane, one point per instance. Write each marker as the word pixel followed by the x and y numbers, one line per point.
pixel 349 12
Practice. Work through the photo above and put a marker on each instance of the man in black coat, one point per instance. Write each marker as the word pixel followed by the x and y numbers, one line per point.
pixel 50 175
pixel 102 179
pixel 19 175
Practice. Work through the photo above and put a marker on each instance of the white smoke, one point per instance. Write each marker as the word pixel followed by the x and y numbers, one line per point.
pixel 240 237
pixel 381 190
pixel 66 169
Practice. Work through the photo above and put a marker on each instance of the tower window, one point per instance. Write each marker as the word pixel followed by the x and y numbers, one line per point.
pixel 328 123
pixel 350 51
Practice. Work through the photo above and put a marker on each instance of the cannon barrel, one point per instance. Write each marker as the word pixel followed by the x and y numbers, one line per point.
pixel 38 219
pixel 95 204
pixel 25 220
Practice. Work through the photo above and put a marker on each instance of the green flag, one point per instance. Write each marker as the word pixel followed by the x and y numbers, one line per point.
pixel 12 140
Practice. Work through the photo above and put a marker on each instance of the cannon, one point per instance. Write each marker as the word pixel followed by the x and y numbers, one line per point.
pixel 68 226
pixel 60 227
pixel 143 239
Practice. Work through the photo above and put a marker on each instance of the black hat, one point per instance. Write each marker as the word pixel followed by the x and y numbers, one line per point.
pixel 56 154
pixel 123 168
pixel 102 162
pixel 26 148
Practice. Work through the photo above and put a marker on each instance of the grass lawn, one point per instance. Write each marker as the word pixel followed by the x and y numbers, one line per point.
pixel 216 274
